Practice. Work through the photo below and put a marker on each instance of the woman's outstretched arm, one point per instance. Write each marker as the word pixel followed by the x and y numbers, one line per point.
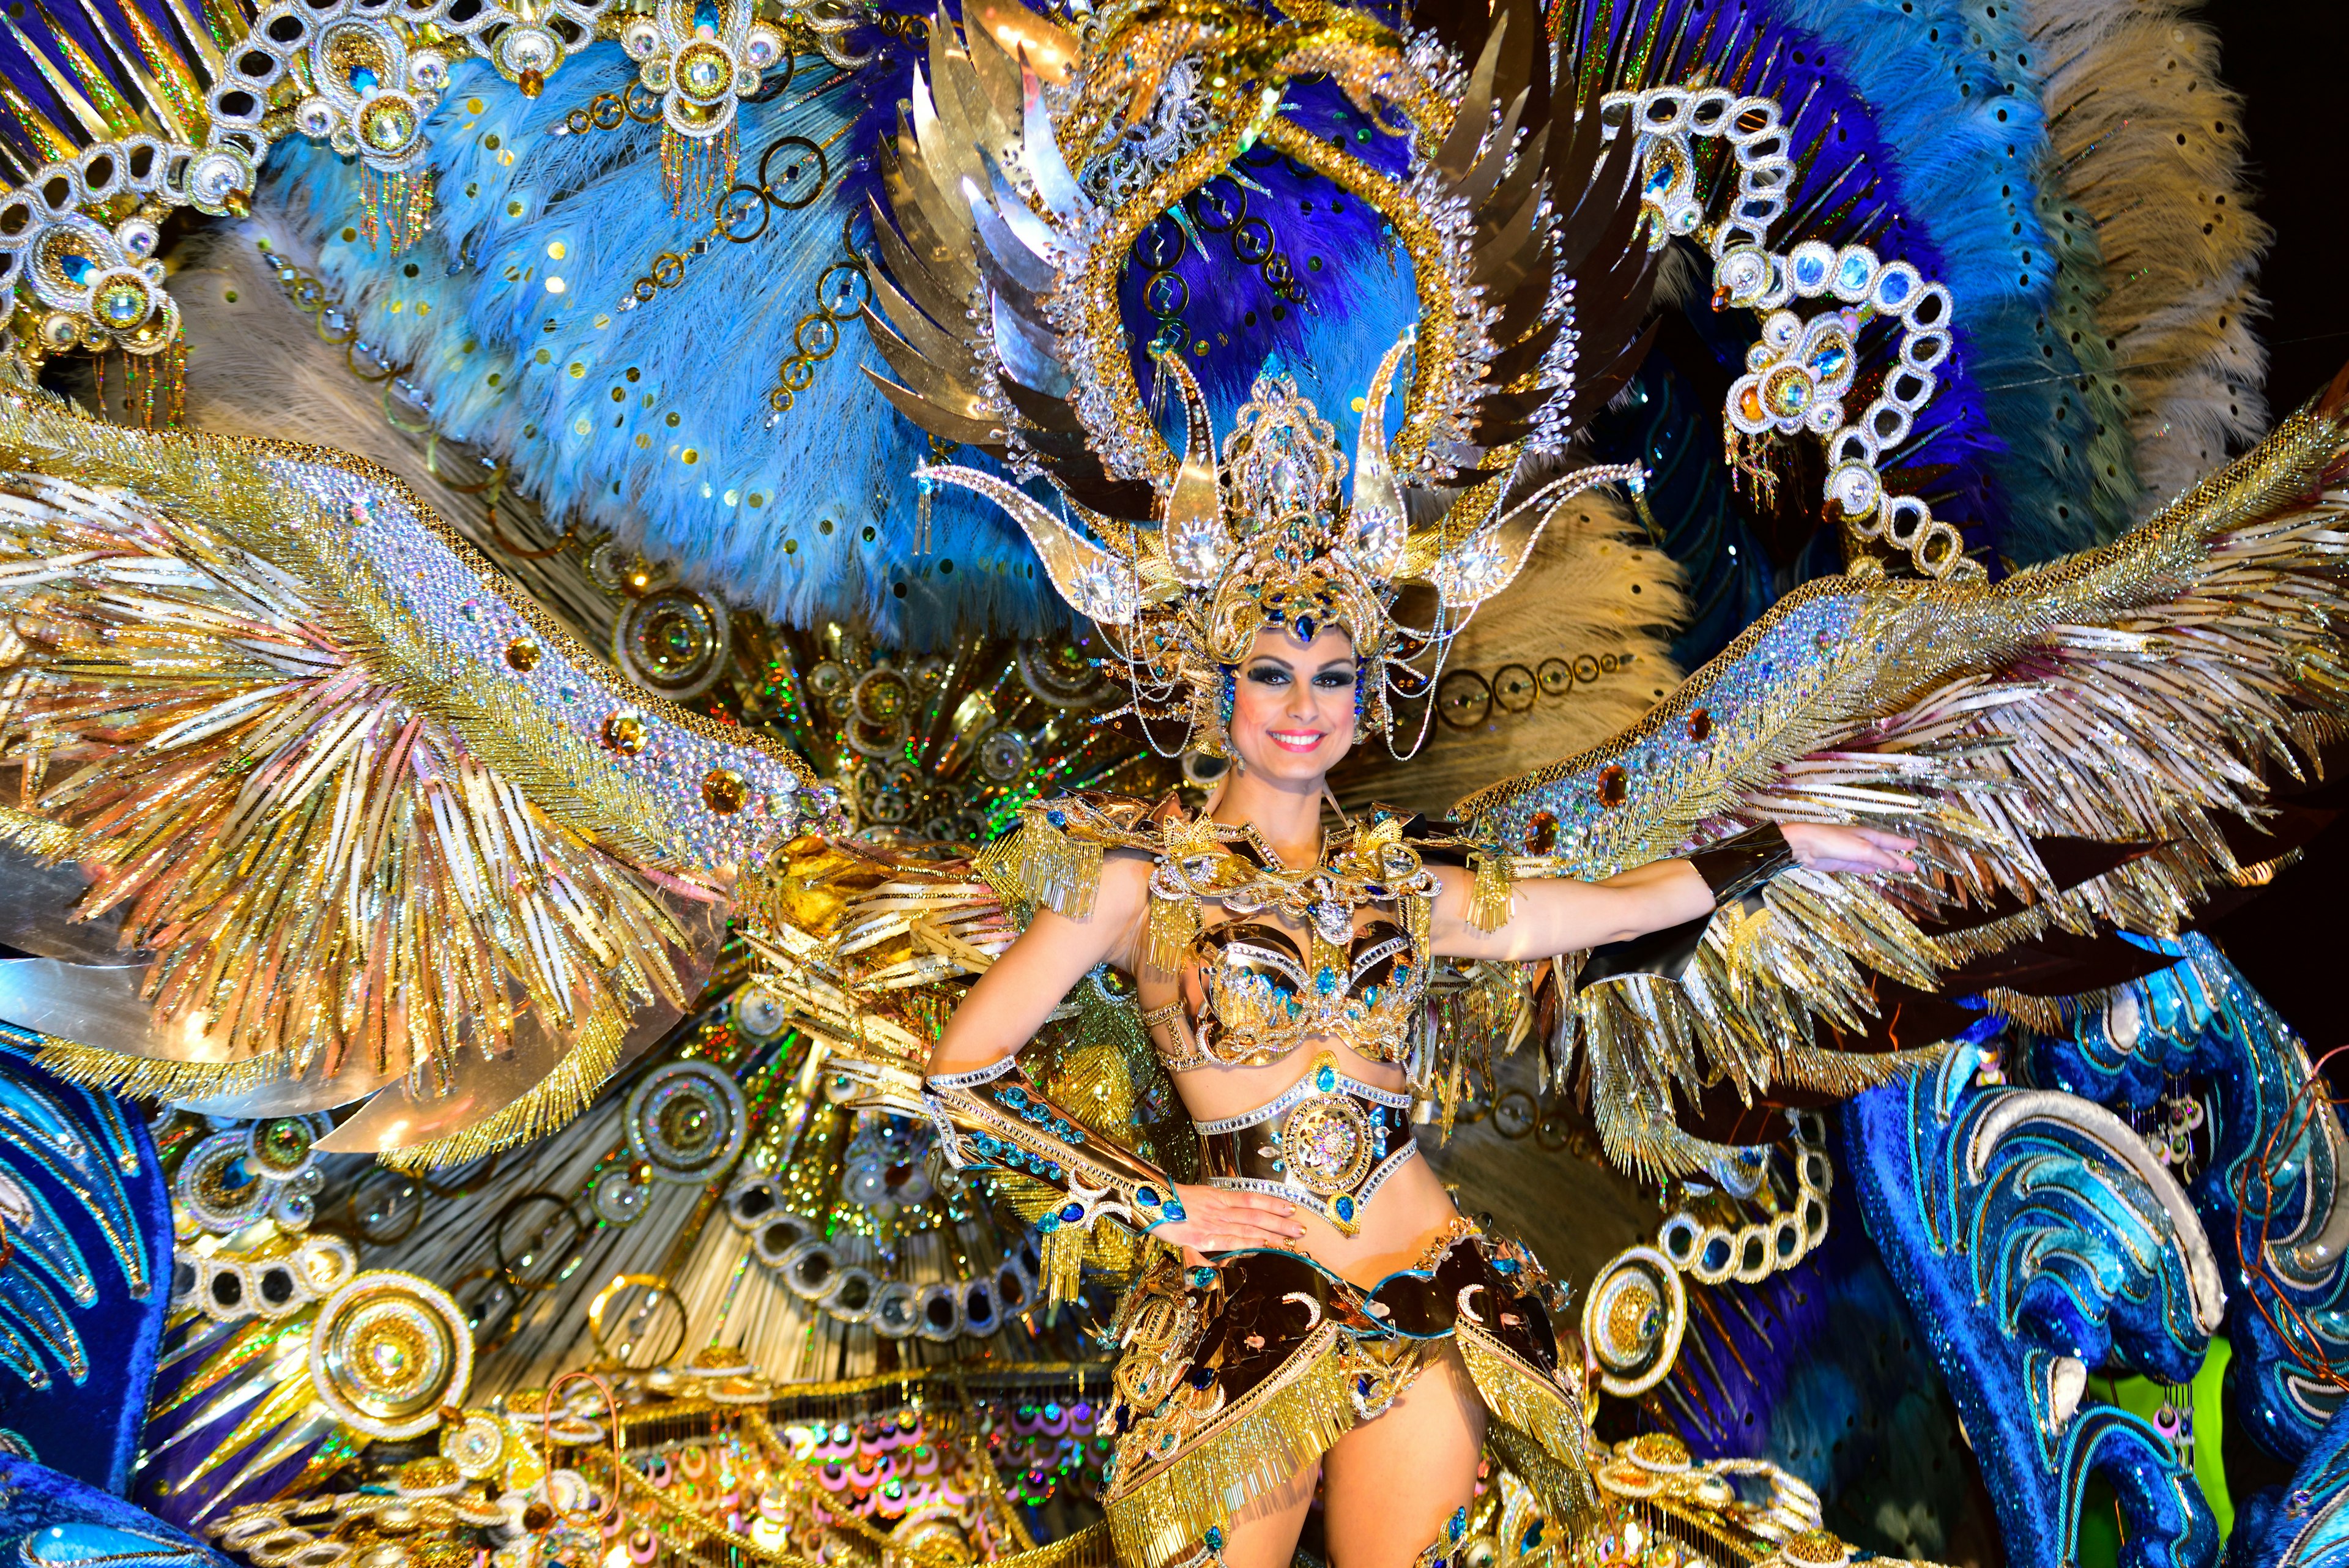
pixel 1553 915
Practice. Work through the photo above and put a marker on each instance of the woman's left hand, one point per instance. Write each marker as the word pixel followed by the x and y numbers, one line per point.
pixel 1826 848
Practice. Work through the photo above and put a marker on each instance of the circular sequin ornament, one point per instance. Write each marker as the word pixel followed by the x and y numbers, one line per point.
pixel 388 123
pixel 388 1351
pixel 1632 1320
pixel 280 1146
pixel 759 1012
pixel 685 1120
pixel 476 1446
pixel 618 1198
pixel 673 642
pixel 1326 1145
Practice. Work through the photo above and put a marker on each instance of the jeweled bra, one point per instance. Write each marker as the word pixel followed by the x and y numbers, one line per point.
pixel 1267 989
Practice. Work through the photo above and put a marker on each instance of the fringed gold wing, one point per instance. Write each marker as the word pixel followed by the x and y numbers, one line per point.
pixel 869 948
pixel 2128 697
pixel 382 828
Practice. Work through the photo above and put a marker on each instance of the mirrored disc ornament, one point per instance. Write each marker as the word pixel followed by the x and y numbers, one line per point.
pixel 686 1120
pixel 388 1351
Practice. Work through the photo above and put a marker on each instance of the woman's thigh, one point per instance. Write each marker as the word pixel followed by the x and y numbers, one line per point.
pixel 1390 1486
pixel 1263 1534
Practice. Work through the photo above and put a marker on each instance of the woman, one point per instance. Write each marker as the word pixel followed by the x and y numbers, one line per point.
pixel 1249 1017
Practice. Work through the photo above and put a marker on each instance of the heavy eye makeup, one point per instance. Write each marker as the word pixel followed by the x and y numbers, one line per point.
pixel 1272 673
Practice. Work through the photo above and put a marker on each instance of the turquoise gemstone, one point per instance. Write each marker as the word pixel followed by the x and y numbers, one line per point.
pixel 363 81
pixel 1853 275
pixel 1345 1206
pixel 75 267
pixel 1326 1078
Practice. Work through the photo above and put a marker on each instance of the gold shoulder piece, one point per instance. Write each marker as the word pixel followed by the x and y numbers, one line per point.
pixel 1054 858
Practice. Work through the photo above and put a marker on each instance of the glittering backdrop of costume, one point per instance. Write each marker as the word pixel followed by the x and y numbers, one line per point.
pixel 1959 277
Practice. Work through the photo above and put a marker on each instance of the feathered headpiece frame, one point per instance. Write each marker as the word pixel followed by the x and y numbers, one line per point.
pixel 995 304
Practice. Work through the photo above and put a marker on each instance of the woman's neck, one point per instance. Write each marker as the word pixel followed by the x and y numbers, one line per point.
pixel 1286 813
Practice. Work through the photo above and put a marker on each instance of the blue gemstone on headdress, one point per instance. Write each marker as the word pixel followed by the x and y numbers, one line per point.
pixel 1072 1212
pixel 1146 1196
pixel 1852 275
pixel 1893 288
pixel 1344 1206
pixel 1048 1223
pixel 1326 1078
pixel 1013 1093
pixel 1201 1376
pixel 1057 818
pixel 1326 981
pixel 1305 629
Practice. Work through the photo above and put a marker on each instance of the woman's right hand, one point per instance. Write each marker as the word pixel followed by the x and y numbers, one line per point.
pixel 1216 1219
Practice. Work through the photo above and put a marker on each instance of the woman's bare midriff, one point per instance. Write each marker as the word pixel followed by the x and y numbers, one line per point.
pixel 1409 1211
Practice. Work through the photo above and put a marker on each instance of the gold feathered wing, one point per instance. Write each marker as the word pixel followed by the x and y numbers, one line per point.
pixel 382 825
pixel 2130 695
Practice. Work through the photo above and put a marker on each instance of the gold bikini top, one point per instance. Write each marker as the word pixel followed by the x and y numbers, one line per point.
pixel 1265 997
pixel 1266 992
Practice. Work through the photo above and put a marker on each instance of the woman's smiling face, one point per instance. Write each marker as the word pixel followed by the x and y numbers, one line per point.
pixel 1293 704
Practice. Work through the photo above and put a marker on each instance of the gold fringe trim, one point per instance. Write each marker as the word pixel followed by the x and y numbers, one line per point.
pixel 150 1078
pixel 1039 864
pixel 1063 1254
pixel 544 1106
pixel 33 834
pixel 1538 1426
pixel 1174 926
pixel 1279 1430
pixel 1489 902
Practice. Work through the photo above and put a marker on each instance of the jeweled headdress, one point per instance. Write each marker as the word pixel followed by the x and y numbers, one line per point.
pixel 1034 157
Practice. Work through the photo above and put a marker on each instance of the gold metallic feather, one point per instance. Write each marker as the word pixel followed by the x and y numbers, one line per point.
pixel 2128 695
pixel 373 815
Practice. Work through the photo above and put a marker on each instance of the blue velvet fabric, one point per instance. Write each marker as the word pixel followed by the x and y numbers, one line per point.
pixel 48 1520
pixel 80 1320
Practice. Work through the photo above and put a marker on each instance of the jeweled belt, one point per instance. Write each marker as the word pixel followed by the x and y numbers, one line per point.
pixel 1330 1143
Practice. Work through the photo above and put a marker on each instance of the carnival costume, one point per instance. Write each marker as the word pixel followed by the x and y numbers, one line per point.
pixel 406 868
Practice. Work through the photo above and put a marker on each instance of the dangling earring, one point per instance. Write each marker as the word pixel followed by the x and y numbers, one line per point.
pixel 1226 696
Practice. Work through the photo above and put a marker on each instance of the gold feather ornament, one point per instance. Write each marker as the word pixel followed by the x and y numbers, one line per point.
pixel 384 828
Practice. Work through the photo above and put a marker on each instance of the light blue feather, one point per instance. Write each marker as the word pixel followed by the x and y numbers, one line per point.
pixel 652 424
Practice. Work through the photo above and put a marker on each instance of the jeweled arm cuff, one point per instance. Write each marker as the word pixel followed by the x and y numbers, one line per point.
pixel 1737 866
pixel 994 1118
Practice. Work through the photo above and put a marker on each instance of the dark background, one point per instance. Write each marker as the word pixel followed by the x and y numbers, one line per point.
pixel 2288 60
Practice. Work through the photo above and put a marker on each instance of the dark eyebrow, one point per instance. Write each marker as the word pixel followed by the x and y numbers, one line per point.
pixel 1341 660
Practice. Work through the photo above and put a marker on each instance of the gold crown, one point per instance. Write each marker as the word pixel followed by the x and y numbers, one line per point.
pixel 1017 194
